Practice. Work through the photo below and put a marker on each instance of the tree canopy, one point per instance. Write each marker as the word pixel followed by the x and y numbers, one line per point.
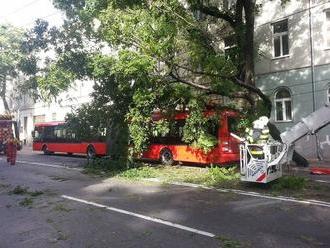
pixel 154 55
pixel 11 39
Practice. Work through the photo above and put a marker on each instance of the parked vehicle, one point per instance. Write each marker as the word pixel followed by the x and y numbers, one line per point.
pixel 51 137
pixel 8 129
pixel 171 147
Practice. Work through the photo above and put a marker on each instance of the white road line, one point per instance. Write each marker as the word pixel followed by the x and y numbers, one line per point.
pixel 322 181
pixel 49 165
pixel 251 193
pixel 122 211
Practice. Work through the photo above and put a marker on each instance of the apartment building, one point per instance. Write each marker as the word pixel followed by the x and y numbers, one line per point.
pixel 28 113
pixel 293 65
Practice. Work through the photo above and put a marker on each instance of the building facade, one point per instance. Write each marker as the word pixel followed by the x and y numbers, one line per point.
pixel 293 65
pixel 29 112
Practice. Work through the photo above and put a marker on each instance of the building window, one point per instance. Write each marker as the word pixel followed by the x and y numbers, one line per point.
pixel 281 38
pixel 38 119
pixel 327 29
pixel 283 105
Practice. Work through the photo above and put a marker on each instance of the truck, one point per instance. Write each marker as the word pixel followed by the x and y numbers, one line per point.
pixel 267 165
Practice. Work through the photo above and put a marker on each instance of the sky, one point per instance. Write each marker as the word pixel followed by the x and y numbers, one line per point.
pixel 23 13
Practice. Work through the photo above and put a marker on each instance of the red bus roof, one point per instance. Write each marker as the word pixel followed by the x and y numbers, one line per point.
pixel 49 124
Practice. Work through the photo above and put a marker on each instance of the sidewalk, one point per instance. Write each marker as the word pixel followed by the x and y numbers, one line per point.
pixel 317 170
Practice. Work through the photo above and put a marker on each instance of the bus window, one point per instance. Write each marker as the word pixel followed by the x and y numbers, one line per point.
pixel 60 133
pixel 174 136
pixel 212 127
pixel 49 134
pixel 233 124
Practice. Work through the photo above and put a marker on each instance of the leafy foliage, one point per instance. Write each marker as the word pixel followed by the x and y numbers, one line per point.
pixel 11 39
pixel 144 56
pixel 87 123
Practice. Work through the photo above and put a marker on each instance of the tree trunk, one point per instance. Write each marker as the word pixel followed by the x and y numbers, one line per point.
pixel 249 10
pixel 5 103
pixel 117 141
pixel 3 95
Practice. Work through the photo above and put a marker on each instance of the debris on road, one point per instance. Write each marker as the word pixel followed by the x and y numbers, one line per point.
pixel 320 171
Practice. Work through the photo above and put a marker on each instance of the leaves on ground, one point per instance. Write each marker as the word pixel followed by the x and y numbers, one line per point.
pixel 26 202
pixel 19 190
pixel 61 208
pixel 228 242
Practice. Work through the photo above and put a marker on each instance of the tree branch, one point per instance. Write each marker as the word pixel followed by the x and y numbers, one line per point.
pixel 195 85
pixel 214 11
pixel 201 72
pixel 256 90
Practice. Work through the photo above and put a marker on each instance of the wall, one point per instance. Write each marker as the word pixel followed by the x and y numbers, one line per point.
pixel 295 71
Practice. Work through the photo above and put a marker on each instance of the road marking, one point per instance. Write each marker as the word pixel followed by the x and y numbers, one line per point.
pixel 49 165
pixel 322 181
pixel 251 193
pixel 156 220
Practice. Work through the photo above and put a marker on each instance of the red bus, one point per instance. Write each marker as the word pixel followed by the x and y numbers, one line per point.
pixel 51 137
pixel 171 148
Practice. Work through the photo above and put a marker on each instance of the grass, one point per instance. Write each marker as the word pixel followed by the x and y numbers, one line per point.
pixel 294 183
pixel 212 176
pixel 207 176
pixel 103 167
pixel 138 173
pixel 219 177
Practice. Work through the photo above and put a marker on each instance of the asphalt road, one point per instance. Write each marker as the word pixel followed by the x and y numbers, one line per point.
pixel 77 210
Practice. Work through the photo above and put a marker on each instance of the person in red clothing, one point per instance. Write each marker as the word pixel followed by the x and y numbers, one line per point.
pixel 11 150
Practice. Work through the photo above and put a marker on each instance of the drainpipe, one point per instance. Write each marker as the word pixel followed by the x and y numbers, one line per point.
pixel 318 151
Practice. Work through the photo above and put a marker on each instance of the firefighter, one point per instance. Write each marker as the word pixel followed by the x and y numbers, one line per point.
pixel 11 149
pixel 263 131
pixel 259 134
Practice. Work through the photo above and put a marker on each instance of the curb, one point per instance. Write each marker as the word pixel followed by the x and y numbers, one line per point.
pixel 247 193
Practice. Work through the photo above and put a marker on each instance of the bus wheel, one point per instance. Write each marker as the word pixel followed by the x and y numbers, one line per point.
pixel 91 152
pixel 45 150
pixel 166 157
